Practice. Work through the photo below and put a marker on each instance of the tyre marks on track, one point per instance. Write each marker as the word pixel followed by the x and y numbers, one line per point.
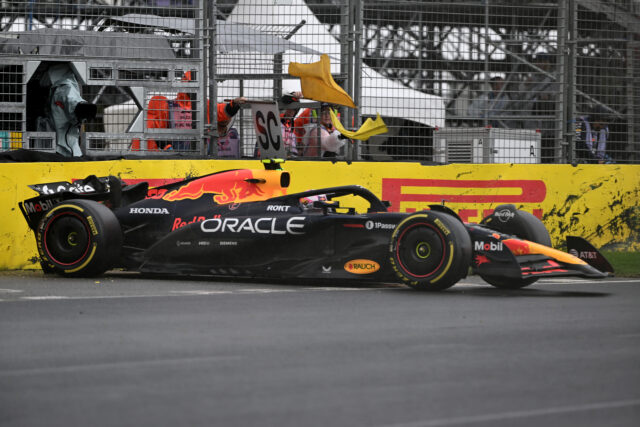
pixel 13 293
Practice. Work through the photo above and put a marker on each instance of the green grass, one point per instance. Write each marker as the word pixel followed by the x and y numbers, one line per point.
pixel 625 264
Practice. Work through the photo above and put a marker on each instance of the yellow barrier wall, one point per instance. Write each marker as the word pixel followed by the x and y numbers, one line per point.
pixel 597 202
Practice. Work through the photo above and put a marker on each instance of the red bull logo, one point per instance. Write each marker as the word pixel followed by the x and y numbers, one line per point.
pixel 152 193
pixel 231 187
pixel 180 222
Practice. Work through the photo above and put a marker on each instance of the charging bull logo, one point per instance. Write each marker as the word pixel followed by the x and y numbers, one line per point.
pixel 230 187
pixel 481 259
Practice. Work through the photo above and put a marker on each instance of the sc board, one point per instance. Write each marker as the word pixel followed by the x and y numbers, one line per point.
pixel 266 122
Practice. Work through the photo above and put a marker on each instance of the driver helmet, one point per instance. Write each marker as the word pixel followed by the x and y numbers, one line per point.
pixel 307 202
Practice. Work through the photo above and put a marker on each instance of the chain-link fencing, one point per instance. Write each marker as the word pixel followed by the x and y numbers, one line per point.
pixel 474 81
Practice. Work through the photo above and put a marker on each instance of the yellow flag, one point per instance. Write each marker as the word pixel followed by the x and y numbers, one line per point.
pixel 318 84
pixel 368 129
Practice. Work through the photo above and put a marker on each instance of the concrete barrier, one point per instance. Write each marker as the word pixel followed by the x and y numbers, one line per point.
pixel 598 202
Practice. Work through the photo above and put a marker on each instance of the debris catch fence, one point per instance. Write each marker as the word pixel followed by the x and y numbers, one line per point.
pixel 474 81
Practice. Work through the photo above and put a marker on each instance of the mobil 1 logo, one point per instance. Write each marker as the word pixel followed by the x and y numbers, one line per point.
pixel 266 122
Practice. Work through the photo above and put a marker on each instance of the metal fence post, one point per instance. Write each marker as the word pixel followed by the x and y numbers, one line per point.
pixel 201 38
pixel 357 70
pixel 632 145
pixel 354 66
pixel 485 46
pixel 209 104
pixel 570 38
pixel 423 65
pixel 346 61
pixel 564 120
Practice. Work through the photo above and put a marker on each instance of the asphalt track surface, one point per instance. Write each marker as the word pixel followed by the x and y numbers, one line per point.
pixel 129 351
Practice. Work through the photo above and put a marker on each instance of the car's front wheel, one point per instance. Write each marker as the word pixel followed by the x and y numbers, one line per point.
pixel 521 224
pixel 430 251
pixel 503 283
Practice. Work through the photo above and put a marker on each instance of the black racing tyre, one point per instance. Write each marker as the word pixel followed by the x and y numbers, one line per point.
pixel 430 251
pixel 525 226
pixel 79 238
pixel 534 230
pixel 47 268
pixel 502 283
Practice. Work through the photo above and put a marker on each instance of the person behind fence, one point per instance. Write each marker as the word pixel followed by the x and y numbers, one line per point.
pixel 591 139
pixel 601 130
pixel 324 140
pixel 66 109
pixel 492 105
pixel 181 117
pixel 228 141
pixel 287 119
pixel 582 132
pixel 228 137
pixel 306 120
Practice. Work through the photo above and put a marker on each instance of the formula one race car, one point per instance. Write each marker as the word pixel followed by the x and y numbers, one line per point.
pixel 242 223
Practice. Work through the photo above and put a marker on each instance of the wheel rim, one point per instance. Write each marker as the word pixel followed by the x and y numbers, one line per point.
pixel 423 250
pixel 420 250
pixel 67 239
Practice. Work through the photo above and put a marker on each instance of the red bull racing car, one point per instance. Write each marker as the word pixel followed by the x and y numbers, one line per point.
pixel 244 223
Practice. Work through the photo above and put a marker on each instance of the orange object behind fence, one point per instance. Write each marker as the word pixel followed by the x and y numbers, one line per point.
pixel 157 118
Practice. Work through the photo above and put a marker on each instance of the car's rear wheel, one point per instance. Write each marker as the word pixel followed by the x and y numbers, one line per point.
pixel 79 238
pixel 430 251
pixel 523 225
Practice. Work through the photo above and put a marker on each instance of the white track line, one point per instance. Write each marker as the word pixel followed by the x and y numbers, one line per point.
pixel 245 291
pixel 111 365
pixel 189 293
pixel 578 281
pixel 500 416
pixel 252 291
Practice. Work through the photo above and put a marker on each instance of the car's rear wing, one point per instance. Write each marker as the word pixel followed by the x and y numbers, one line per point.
pixel 109 190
